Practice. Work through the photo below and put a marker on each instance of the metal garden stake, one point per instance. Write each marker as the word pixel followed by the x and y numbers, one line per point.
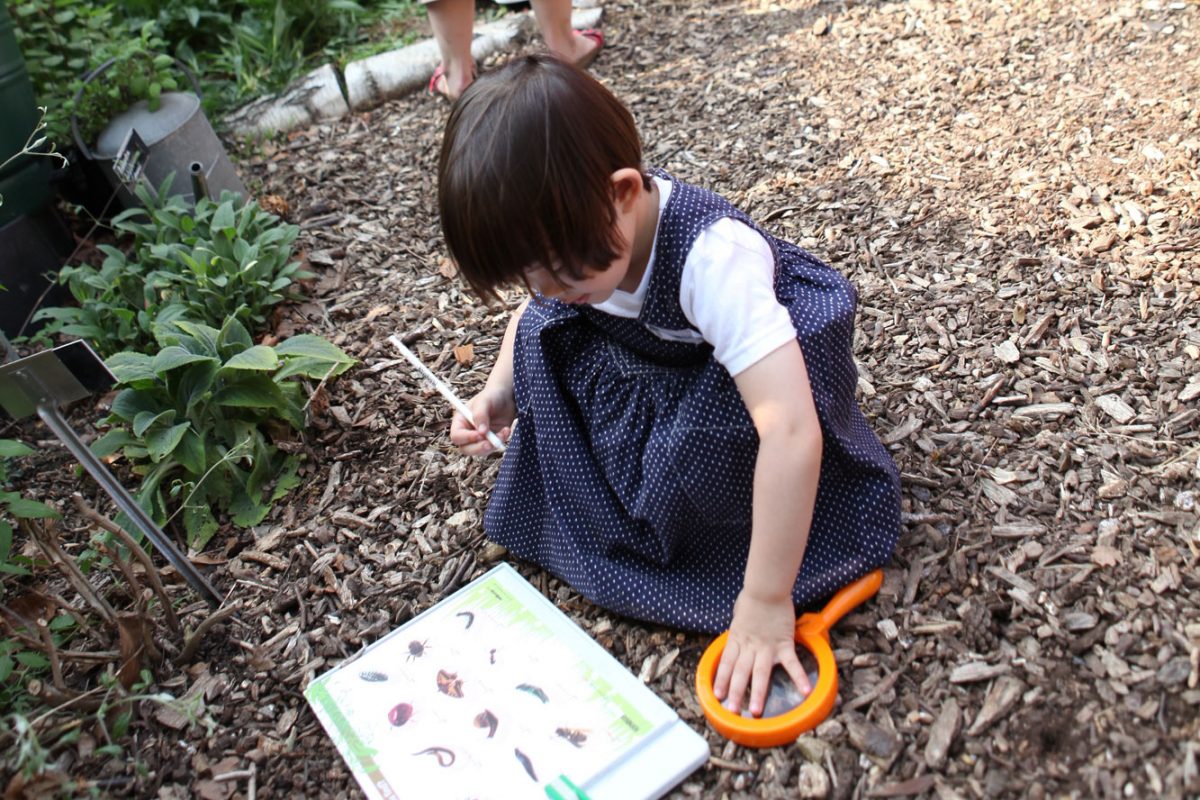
pixel 39 384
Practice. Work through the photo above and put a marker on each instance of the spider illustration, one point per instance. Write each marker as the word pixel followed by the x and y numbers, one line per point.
pixel 416 649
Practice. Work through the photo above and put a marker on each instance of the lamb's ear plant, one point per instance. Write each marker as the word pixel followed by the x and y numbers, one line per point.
pixel 196 421
pixel 207 264
pixel 14 507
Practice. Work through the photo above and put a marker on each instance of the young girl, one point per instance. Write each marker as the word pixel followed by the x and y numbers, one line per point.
pixel 689 449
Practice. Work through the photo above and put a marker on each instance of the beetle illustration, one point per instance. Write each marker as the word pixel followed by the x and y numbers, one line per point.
pixel 401 714
pixel 416 649
pixel 576 736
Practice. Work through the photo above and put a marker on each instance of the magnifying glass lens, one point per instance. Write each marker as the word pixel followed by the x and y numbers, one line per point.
pixel 782 694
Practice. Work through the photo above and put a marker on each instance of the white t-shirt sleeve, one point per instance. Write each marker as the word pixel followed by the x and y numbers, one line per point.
pixel 728 292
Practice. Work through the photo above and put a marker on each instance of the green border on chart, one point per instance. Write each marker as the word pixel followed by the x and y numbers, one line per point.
pixel 363 754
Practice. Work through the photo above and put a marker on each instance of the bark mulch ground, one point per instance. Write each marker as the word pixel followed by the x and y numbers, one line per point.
pixel 1013 188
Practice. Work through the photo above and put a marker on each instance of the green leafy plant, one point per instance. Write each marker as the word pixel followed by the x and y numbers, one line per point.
pixel 238 48
pixel 32 742
pixel 207 264
pixel 196 420
pixel 60 40
pixel 140 71
pixel 20 664
pixel 13 507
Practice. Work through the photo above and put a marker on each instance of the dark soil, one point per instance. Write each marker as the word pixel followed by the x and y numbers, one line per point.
pixel 1013 188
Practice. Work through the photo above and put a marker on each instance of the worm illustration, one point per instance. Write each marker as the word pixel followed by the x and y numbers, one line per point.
pixel 469 615
pixel 533 690
pixel 373 677
pixel 444 755
pixel 486 719
pixel 526 763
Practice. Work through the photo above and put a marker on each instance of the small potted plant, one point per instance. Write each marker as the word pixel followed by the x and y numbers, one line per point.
pixel 134 92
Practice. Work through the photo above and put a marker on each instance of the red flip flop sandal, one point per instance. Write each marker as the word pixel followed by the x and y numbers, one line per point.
pixel 597 37
pixel 433 90
pixel 439 73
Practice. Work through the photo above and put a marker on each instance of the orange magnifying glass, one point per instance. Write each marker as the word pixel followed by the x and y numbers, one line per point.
pixel 805 713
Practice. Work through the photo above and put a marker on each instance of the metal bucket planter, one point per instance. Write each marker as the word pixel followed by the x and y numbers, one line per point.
pixel 178 139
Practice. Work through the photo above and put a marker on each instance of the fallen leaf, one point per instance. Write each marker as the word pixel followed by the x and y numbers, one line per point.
pixel 130 638
pixel 464 354
pixel 1105 556
pixel 1007 352
pixel 376 312
pixel 276 204
pixel 318 404
pixel 1002 475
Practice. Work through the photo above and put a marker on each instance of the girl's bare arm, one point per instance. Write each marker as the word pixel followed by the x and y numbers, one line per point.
pixel 777 393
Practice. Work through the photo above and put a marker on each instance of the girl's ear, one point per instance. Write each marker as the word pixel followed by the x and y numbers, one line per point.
pixel 627 188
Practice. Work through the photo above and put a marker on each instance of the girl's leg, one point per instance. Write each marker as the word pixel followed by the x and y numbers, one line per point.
pixel 453 23
pixel 554 21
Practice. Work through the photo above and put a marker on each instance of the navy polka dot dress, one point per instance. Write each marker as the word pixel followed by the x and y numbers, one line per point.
pixel 630 471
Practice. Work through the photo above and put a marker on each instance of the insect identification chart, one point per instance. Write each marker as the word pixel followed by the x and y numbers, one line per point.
pixel 495 693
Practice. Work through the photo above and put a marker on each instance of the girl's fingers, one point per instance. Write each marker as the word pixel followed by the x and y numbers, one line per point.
pixel 725 670
pixel 791 662
pixel 760 682
pixel 460 432
pixel 739 681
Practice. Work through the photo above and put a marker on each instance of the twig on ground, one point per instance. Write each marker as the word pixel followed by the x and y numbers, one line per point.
pixel 135 586
pixel 193 641
pixel 51 651
pixel 141 555
pixel 47 541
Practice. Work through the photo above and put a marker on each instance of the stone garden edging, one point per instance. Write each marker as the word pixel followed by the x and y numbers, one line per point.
pixel 319 95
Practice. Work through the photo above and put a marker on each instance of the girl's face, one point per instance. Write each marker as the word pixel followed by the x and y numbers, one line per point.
pixel 625 271
pixel 595 287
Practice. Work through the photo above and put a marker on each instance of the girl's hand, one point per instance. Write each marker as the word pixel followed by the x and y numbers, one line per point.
pixel 762 635
pixel 494 410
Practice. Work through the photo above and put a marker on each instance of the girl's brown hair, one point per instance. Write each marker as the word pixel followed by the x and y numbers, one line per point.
pixel 524 177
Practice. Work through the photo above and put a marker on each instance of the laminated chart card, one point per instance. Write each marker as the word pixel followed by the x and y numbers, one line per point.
pixel 495 693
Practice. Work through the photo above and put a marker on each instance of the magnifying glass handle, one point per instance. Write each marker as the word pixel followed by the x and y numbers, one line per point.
pixel 850 597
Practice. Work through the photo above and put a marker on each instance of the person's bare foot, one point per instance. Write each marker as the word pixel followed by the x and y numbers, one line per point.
pixel 448 85
pixel 587 45
pixel 579 47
